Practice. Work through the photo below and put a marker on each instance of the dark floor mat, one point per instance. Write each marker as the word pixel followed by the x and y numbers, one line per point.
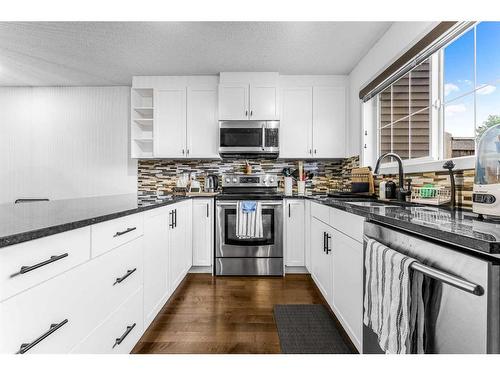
pixel 308 329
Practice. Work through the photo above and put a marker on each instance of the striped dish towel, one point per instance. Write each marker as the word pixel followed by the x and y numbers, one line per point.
pixel 249 221
pixel 393 302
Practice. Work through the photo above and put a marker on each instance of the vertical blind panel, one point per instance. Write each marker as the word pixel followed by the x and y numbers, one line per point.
pixel 404 114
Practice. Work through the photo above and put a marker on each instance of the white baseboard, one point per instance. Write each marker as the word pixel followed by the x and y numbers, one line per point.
pixel 295 270
pixel 200 269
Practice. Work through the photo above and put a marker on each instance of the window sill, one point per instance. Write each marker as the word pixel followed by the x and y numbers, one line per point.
pixel 465 162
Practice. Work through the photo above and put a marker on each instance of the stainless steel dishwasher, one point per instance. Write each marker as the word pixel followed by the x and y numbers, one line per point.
pixel 463 312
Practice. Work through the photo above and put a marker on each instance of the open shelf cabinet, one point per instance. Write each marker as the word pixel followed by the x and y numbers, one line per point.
pixel 142 120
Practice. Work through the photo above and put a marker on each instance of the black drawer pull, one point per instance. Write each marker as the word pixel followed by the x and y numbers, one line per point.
pixel 328 248
pixel 120 279
pixel 29 200
pixel 53 327
pixel 52 259
pixel 125 231
pixel 120 339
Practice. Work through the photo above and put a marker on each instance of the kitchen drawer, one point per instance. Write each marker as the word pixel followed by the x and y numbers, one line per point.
pixel 116 276
pixel 65 300
pixel 347 223
pixel 111 336
pixel 45 258
pixel 320 212
pixel 113 233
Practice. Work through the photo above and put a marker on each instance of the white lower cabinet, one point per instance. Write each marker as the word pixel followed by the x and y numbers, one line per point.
pixel 104 303
pixel 119 332
pixel 180 243
pixel 203 229
pixel 294 233
pixel 336 264
pixel 321 259
pixel 156 261
pixel 348 284
pixel 50 318
pixel 307 235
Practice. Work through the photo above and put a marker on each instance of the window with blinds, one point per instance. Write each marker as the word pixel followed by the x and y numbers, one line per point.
pixel 404 114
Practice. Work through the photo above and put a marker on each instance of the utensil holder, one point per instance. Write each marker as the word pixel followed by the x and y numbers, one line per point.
pixel 301 187
pixel 288 186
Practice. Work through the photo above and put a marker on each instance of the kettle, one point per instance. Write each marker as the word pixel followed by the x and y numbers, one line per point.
pixel 211 183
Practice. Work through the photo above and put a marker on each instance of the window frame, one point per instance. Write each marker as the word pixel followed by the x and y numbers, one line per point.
pixel 435 160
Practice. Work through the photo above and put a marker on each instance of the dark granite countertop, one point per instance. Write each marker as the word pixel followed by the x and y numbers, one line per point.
pixel 458 227
pixel 28 221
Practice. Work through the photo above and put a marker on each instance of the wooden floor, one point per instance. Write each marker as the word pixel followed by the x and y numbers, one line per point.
pixel 225 314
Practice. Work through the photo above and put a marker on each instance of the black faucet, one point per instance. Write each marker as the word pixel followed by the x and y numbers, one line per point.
pixel 402 193
pixel 449 165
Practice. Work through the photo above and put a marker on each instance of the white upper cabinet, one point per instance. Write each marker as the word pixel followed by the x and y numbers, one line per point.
pixel 174 117
pixel 263 102
pixel 329 122
pixel 233 101
pixel 248 96
pixel 296 122
pixel 169 127
pixel 202 126
pixel 313 117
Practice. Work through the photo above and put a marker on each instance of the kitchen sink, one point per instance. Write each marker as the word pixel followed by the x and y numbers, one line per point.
pixel 371 204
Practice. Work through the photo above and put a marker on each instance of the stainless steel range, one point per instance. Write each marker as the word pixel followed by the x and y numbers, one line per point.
pixel 249 256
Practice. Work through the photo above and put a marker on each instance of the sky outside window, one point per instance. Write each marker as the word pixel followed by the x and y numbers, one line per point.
pixel 458 81
pixel 487 70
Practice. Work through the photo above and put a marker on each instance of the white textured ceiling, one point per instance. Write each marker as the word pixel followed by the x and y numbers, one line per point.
pixel 110 53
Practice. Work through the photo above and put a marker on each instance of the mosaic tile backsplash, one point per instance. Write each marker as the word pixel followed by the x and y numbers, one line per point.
pixel 464 181
pixel 158 177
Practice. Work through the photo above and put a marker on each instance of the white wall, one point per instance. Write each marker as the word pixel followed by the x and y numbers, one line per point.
pixel 396 41
pixel 65 142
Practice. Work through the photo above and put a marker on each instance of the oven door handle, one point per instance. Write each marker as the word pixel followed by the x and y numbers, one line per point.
pixel 263 136
pixel 226 204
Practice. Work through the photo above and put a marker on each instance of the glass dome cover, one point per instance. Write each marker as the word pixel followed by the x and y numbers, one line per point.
pixel 488 157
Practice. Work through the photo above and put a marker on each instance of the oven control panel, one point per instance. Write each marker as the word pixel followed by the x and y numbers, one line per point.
pixel 244 180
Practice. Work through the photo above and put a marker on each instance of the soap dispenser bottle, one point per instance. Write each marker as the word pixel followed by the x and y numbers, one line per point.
pixel 381 190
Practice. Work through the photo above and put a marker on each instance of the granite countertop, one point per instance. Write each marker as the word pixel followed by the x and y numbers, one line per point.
pixel 28 221
pixel 458 227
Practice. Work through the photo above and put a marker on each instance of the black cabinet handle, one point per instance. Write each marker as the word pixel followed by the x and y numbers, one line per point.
pixel 120 339
pixel 246 112
pixel 125 231
pixel 208 210
pixel 328 249
pixel 251 113
pixel 289 213
pixel 324 241
pixel 52 259
pixel 28 200
pixel 53 327
pixel 175 218
pixel 120 279
pixel 171 219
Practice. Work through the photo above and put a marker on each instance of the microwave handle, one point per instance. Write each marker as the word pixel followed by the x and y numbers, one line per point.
pixel 263 136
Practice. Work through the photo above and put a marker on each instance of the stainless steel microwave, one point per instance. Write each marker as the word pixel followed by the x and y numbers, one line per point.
pixel 249 139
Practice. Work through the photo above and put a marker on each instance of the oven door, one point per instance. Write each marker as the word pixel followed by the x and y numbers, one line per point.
pixel 228 245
